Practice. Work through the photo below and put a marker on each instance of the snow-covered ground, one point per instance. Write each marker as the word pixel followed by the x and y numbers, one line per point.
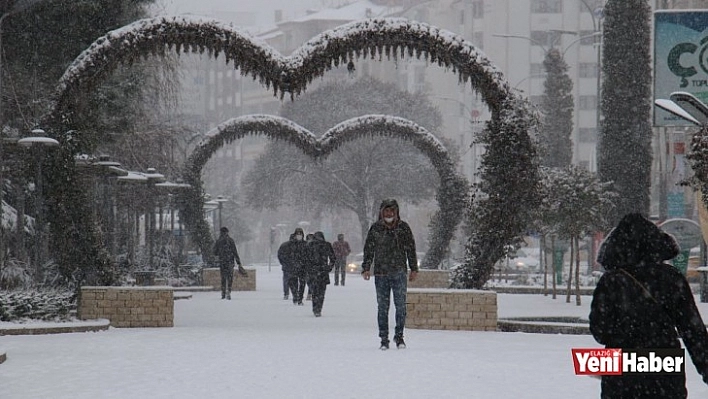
pixel 260 346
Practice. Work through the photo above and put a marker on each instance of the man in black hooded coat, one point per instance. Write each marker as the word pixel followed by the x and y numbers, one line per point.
pixel 641 302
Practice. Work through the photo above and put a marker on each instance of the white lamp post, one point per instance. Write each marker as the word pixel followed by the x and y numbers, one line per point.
pixel 36 143
pixel 132 178
pixel 221 199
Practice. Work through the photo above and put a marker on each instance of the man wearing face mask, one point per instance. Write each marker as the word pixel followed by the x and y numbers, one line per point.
pixel 293 256
pixel 298 258
pixel 390 248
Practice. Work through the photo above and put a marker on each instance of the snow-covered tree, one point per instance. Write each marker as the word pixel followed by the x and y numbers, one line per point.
pixel 557 109
pixel 574 203
pixel 624 142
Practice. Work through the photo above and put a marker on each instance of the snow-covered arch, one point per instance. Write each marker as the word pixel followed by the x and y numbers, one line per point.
pixel 390 37
pixel 497 216
pixel 451 196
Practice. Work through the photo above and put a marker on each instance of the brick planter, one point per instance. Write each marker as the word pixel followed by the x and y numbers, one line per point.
pixel 434 309
pixel 431 279
pixel 212 277
pixel 128 306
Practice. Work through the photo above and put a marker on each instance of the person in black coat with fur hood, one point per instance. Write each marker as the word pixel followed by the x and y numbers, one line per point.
pixel 642 302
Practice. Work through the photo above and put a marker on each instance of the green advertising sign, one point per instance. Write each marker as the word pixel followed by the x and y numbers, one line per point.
pixel 681 261
pixel 680 59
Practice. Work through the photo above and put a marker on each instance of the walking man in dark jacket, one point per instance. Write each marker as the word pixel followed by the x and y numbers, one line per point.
pixel 341 251
pixel 642 303
pixel 390 248
pixel 322 261
pixel 293 257
pixel 227 255
pixel 283 257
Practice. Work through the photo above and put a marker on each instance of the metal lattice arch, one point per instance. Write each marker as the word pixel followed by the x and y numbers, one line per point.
pixel 374 38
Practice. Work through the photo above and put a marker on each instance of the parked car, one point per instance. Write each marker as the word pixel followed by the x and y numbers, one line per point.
pixel 355 261
pixel 520 261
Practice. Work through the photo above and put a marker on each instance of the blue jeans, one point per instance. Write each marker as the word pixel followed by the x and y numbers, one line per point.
pixel 398 284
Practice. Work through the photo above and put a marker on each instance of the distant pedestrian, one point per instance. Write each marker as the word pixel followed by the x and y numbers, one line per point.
pixel 390 248
pixel 293 256
pixel 227 255
pixel 341 251
pixel 323 260
pixel 641 302
pixel 284 266
pixel 308 239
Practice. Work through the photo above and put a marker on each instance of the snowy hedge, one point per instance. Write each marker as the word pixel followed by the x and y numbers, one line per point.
pixel 36 305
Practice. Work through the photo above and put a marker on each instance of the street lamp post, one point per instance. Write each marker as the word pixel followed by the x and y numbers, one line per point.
pixel 220 199
pixel 16 7
pixel 36 143
pixel 153 178
pixel 210 206
pixel 132 225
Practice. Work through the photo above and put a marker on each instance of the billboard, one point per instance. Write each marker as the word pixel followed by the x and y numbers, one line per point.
pixel 680 58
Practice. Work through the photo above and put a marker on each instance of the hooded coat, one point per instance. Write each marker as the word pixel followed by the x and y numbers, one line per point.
pixel 641 302
pixel 293 254
pixel 322 259
pixel 389 248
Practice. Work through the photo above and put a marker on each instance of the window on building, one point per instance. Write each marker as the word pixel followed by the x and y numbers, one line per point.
pixel 584 164
pixel 587 70
pixel 546 6
pixel 419 79
pixel 478 9
pixel 591 5
pixel 541 37
pixel 589 38
pixel 536 100
pixel 587 135
pixel 537 69
pixel 478 40
pixel 586 103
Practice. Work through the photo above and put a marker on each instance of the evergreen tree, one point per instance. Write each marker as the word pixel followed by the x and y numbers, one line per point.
pixel 624 145
pixel 557 108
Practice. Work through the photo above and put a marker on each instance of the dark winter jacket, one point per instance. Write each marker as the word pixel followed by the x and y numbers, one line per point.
pixel 225 251
pixel 389 248
pixel 641 302
pixel 292 255
pixel 322 259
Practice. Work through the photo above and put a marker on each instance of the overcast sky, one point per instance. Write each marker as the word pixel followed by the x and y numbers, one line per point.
pixel 240 12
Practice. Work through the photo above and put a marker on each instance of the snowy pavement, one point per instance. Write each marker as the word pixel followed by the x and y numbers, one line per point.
pixel 260 346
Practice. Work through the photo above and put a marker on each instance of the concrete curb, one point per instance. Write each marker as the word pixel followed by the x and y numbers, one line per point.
pixel 545 325
pixel 40 329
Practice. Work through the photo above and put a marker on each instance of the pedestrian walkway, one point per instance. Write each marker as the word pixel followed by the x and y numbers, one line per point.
pixel 260 346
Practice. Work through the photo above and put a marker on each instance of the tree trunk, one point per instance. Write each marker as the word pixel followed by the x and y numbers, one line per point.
pixel 570 271
pixel 577 270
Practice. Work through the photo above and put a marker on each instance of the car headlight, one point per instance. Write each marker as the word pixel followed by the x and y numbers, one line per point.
pixel 520 264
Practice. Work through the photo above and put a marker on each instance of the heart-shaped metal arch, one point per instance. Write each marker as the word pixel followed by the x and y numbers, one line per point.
pixel 497 219
pixel 391 37
pixel 451 196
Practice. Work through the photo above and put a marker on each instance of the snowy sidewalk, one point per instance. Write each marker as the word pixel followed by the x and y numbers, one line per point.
pixel 260 346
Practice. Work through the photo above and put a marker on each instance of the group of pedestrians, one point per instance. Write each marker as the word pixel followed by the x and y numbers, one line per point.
pixel 307 262
pixel 389 251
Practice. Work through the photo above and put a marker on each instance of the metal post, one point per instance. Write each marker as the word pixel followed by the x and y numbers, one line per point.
pixel 39 223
